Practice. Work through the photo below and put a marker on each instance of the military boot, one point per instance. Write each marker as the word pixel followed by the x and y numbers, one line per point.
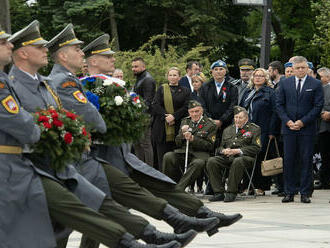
pixel 182 223
pixel 152 236
pixel 224 220
pixel 128 241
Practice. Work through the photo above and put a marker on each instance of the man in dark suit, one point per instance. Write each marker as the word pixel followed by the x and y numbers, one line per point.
pixel 145 86
pixel 299 103
pixel 219 96
pixel 191 69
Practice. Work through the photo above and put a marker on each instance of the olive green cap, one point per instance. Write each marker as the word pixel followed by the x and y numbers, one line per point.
pixel 193 104
pixel 98 46
pixel 65 38
pixel 238 109
pixel 30 35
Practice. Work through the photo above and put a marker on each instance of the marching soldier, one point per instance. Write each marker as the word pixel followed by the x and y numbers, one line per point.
pixel 72 200
pixel 239 146
pixel 136 185
pixel 200 131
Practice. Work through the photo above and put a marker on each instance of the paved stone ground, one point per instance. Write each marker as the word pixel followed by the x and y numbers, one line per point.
pixel 266 223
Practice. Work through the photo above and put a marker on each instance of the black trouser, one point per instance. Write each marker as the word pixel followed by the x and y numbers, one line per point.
pixel 324 145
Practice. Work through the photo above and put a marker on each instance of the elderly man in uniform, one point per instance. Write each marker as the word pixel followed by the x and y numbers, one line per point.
pixel 72 200
pixel 239 146
pixel 246 67
pixel 137 185
pixel 199 133
pixel 22 200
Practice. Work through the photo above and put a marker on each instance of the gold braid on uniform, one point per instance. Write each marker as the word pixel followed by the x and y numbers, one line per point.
pixel 54 95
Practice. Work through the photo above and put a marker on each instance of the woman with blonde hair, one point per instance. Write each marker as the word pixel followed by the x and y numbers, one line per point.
pixel 170 105
pixel 197 81
pixel 259 101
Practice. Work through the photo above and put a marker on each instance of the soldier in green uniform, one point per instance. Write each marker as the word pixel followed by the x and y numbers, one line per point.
pixel 239 146
pixel 199 133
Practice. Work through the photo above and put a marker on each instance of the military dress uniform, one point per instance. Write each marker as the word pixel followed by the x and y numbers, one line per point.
pixel 76 211
pixel 248 140
pixel 204 132
pixel 22 200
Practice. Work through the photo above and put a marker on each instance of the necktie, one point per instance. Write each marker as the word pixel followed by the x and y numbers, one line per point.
pixel 298 87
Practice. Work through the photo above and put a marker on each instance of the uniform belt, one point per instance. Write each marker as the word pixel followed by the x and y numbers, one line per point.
pixel 11 149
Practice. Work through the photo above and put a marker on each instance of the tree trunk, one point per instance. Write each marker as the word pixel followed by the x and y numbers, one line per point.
pixel 5 15
pixel 163 40
pixel 114 31
pixel 286 45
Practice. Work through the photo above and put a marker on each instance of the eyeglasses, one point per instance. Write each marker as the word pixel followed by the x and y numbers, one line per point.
pixel 259 76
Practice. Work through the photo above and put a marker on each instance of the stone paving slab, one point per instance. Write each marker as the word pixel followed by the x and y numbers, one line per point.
pixel 266 223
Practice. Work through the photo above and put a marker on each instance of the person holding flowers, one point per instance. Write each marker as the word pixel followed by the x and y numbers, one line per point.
pixel 72 201
pixel 62 74
pixel 133 183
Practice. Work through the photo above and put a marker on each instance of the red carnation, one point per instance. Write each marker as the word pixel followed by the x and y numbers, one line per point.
pixel 224 88
pixel 47 125
pixel 84 131
pixel 71 115
pixel 242 131
pixel 68 138
pixel 200 126
pixel 54 115
pixel 57 123
pixel 43 118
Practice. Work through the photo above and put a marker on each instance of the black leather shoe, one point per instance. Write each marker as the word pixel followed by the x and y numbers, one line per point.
pixel 288 198
pixel 152 236
pixel 182 223
pixel 225 220
pixel 305 199
pixel 230 197
pixel 217 197
pixel 128 241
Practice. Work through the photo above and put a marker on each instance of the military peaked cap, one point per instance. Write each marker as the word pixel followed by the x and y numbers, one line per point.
pixel 246 64
pixel 3 34
pixel 65 38
pixel 30 35
pixel 98 46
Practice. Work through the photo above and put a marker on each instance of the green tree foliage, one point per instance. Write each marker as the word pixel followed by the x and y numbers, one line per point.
pixel 322 36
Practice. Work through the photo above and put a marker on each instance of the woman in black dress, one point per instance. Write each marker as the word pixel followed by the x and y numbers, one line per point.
pixel 170 105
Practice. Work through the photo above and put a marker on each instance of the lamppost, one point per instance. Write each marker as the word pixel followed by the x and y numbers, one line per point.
pixel 266 27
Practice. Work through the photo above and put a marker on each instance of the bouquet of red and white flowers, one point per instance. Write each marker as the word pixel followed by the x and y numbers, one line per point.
pixel 63 137
pixel 123 112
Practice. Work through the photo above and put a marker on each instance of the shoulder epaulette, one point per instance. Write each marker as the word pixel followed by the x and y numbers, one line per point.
pixel 2 85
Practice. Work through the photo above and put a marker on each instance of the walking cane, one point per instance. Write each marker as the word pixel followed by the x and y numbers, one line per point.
pixel 187 151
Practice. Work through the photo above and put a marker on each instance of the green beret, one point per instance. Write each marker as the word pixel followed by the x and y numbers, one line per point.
pixel 98 46
pixel 30 35
pixel 193 104
pixel 238 109
pixel 65 38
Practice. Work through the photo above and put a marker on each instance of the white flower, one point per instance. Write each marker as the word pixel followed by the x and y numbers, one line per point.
pixel 107 82
pixel 119 100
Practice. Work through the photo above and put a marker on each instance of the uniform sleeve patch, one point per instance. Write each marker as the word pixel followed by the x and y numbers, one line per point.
pixel 69 84
pixel 258 141
pixel 10 105
pixel 80 96
pixel 2 85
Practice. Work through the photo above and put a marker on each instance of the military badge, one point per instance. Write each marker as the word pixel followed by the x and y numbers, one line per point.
pixel 213 138
pixel 80 96
pixel 69 84
pixel 2 85
pixel 247 134
pixel 10 105
pixel 258 141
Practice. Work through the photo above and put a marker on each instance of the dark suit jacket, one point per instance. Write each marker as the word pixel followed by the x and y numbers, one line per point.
pixel 145 87
pixel 184 82
pixel 307 107
pixel 215 105
pixel 325 125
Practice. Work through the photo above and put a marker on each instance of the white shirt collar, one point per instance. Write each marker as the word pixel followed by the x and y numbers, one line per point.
pixel 35 77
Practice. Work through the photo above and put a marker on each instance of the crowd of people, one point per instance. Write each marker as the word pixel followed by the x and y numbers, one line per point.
pixel 200 130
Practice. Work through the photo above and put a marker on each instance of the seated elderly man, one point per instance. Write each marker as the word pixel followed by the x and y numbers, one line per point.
pixel 239 146
pixel 199 133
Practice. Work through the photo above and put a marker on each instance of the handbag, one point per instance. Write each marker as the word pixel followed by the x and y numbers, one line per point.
pixel 272 166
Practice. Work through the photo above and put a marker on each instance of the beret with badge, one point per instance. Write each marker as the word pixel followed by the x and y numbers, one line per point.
pixel 218 63
pixel 238 109
pixel 194 104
